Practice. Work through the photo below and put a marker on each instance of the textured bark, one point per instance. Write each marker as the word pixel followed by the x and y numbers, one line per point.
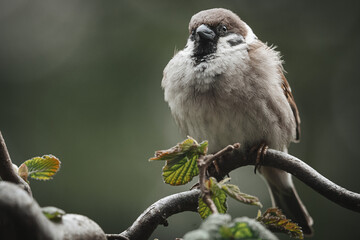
pixel 7 172
pixel 22 218
pixel 158 212
pixel 297 168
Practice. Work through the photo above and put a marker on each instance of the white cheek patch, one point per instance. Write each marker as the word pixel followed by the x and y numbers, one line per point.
pixel 250 37
pixel 230 43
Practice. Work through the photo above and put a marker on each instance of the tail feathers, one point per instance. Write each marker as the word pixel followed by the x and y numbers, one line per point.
pixel 285 197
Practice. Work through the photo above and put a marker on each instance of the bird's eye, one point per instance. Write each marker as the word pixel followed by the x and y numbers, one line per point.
pixel 222 29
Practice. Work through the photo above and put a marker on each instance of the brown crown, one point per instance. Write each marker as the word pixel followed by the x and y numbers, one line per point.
pixel 214 17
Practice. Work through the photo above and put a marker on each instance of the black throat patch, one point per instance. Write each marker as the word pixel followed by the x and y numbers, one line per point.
pixel 203 50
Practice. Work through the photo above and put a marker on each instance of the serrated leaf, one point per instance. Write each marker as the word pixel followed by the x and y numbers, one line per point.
pixel 277 222
pixel 53 213
pixel 180 172
pixel 181 161
pixel 203 209
pixel 234 192
pixel 188 146
pixel 218 196
pixel 42 168
pixel 219 201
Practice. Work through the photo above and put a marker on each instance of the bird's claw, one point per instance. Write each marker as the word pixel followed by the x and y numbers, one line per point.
pixel 261 151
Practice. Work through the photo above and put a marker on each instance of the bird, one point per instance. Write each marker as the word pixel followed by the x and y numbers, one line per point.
pixel 227 86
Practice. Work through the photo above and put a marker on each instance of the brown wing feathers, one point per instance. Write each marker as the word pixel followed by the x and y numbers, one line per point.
pixel 291 100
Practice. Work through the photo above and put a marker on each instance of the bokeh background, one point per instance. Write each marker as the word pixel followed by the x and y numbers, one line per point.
pixel 81 80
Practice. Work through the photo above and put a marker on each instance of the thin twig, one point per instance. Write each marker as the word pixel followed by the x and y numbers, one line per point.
pixel 220 153
pixel 209 202
pixel 203 164
pixel 7 172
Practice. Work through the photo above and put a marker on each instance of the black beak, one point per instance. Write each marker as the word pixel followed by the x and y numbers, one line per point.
pixel 205 33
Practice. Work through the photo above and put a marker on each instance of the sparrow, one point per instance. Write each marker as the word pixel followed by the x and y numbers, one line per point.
pixel 227 86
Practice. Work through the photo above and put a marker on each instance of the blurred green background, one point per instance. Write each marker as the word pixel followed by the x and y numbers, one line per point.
pixel 81 80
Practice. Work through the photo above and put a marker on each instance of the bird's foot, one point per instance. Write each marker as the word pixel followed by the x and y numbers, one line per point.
pixel 260 153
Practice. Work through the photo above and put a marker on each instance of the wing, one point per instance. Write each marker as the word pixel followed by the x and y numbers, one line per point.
pixel 291 100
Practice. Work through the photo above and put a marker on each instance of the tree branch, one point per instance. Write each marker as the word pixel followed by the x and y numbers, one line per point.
pixel 185 201
pixel 7 172
pixel 22 218
pixel 20 214
pixel 313 179
pixel 157 214
pixel 297 168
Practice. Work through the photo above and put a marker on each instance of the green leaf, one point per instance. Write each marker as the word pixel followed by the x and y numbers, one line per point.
pixel 53 213
pixel 219 190
pixel 181 161
pixel 234 192
pixel 203 148
pixel 277 222
pixel 181 172
pixel 220 227
pixel 218 196
pixel 42 168
pixel 220 203
pixel 188 146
